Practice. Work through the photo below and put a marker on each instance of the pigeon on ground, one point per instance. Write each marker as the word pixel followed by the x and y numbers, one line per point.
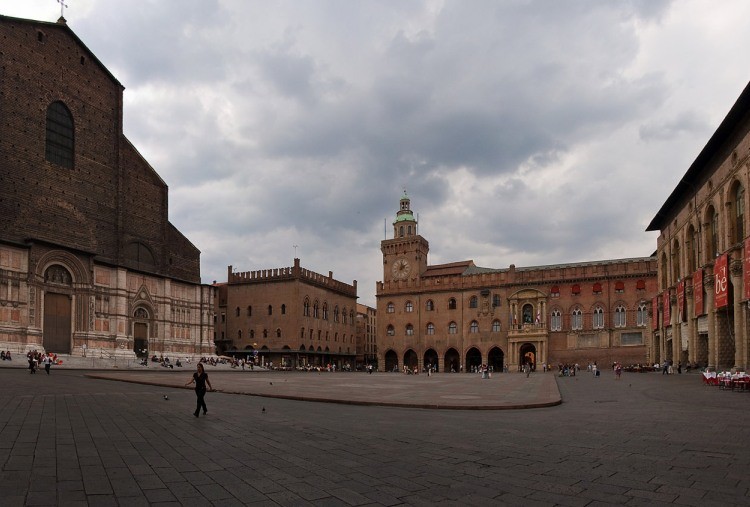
pixel 166 397
pixel 263 410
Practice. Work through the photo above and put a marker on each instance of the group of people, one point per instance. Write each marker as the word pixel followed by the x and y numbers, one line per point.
pixel 568 370
pixel 5 355
pixel 36 358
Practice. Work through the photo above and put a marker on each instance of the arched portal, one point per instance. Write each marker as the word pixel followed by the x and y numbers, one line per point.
pixel 473 359
pixel 450 363
pixel 431 359
pixel 410 359
pixel 57 310
pixel 496 359
pixel 391 361
pixel 528 314
pixel 527 355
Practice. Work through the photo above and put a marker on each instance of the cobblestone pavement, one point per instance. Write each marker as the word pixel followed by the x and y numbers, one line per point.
pixel 647 439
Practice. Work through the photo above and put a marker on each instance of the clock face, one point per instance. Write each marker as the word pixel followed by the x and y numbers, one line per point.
pixel 400 269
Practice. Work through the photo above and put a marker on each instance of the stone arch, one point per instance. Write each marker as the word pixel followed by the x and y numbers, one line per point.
pixel 451 361
pixel 391 360
pixel 496 359
pixel 78 271
pixel 473 358
pixel 410 359
pixel 431 359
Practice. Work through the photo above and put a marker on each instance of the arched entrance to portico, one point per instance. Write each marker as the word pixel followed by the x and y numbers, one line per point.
pixel 391 361
pixel 431 359
pixel 496 359
pixel 527 355
pixel 410 359
pixel 451 361
pixel 473 359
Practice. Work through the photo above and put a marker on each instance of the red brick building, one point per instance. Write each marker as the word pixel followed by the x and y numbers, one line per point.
pixel 290 316
pixel 88 257
pixel 458 316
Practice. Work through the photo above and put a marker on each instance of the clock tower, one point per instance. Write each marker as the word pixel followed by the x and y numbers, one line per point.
pixel 404 256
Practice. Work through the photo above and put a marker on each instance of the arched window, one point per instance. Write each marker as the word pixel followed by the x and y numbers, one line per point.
pixel 676 271
pixel 409 330
pixel 283 309
pixel 642 315
pixel 495 300
pixel 452 328
pixel 495 326
pixel 249 311
pixel 409 307
pixel 713 233
pixel 474 327
pixel 390 308
pixel 556 324
pixel 278 333
pixel 401 231
pixel 270 310
pixel 620 316
pixel 351 317
pixel 577 319
pixel 739 214
pixel 343 315
pixel 306 308
pixel 239 334
pixel 430 328
pixel 598 321
pixel 325 311
pixel 473 302
pixel 60 139
pixel 390 330
pixel 692 249
pixel 252 334
pixel 336 313
pixel 429 306
pixel 452 304
pixel 316 310
pixel 237 312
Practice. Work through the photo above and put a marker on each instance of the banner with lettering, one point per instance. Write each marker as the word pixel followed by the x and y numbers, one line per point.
pixel 667 310
pixel 655 313
pixel 721 282
pixel 746 269
pixel 698 292
pixel 681 300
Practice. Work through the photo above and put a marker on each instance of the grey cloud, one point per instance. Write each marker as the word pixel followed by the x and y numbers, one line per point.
pixel 685 122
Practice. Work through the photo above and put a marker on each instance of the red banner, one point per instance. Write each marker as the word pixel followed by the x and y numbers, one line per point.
pixel 746 269
pixel 698 292
pixel 667 310
pixel 655 313
pixel 721 282
pixel 681 301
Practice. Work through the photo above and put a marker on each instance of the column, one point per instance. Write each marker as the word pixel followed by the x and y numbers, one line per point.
pixel 713 349
pixel 739 308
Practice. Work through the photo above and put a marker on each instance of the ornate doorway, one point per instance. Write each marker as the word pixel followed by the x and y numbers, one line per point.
pixel 528 355
pixel 57 323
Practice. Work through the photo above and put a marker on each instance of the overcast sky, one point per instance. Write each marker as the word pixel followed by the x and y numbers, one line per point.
pixel 525 132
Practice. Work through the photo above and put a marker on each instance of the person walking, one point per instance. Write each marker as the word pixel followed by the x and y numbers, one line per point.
pixel 200 378
pixel 47 360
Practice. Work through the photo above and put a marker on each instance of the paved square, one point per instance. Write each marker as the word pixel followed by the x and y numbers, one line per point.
pixel 647 439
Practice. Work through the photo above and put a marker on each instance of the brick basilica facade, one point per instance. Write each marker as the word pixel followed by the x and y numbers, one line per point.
pixel 88 258
pixel 458 316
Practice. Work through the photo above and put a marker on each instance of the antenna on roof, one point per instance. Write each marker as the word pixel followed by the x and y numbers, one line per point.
pixel 385 230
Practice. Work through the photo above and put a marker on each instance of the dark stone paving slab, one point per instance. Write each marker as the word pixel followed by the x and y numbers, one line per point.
pixel 440 391
pixel 66 439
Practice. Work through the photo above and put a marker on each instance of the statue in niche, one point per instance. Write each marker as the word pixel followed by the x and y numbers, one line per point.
pixel 140 313
pixel 57 274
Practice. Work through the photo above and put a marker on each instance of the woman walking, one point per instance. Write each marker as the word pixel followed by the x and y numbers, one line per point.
pixel 200 378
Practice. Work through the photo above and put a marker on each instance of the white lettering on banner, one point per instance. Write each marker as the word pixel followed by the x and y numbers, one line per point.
pixel 720 284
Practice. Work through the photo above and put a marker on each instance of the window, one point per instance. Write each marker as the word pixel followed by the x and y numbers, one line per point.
pixel 597 288
pixel 401 231
pixel 306 308
pixel 316 309
pixel 237 312
pixel 739 213
pixel 325 311
pixel 59 146
pixel 278 333
pixel 409 330
pixel 223 317
pixel 429 306
pixel 631 339
pixel 473 302
pixel 430 328
pixel 598 321
pixel 495 300
pixel 390 330
pixel 577 320
pixel 642 315
pixel 239 334
pixel 270 310
pixel 556 324
pixel 252 334
pixel 283 309
pixel 452 328
pixel 620 316
pixel 452 304
pixel 390 308
pixel 619 287
pixel 495 326
pixel 575 290
pixel 409 307
pixel 336 313
pixel 249 311
pixel 554 291
pixel 343 315
pixel 714 232
pixel 474 327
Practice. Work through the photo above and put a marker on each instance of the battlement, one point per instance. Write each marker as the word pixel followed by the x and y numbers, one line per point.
pixel 295 272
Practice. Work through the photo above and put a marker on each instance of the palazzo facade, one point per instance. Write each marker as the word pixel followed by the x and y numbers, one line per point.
pixel 89 261
pixel 290 316
pixel 701 312
pixel 458 316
